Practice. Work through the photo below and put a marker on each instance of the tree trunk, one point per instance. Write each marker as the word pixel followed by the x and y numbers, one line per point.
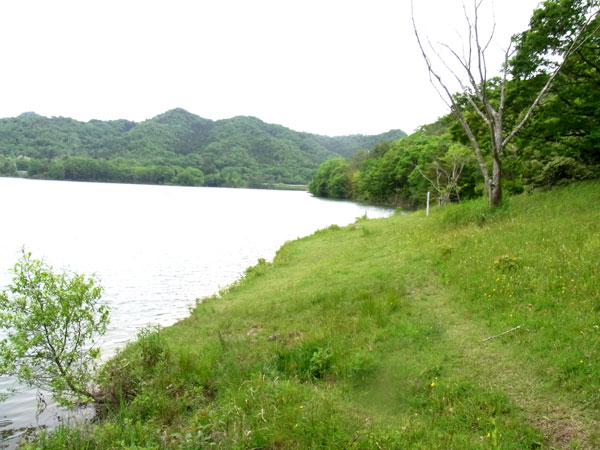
pixel 495 193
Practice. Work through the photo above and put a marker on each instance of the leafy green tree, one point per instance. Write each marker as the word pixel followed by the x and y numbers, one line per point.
pixel 50 321
pixel 7 166
pixel 36 167
pixel 565 132
pixel 333 179
pixel 190 176
pixel 56 170
pixel 392 176
pixel 232 176
pixel 379 150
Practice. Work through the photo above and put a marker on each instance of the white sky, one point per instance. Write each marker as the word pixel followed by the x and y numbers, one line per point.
pixel 331 67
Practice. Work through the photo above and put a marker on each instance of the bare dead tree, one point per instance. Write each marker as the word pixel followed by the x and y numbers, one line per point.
pixel 447 171
pixel 472 77
pixel 442 183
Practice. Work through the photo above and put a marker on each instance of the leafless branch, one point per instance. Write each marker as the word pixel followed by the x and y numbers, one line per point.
pixel 481 64
pixel 493 32
pixel 430 70
pixel 502 334
pixel 464 63
pixel 474 85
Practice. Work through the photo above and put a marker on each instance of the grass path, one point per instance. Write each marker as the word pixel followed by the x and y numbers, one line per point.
pixel 495 365
pixel 501 364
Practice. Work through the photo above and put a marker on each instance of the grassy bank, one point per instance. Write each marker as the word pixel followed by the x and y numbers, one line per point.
pixel 372 336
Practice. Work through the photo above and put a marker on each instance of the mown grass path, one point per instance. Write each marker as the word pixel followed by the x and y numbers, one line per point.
pixel 496 366
pixel 548 398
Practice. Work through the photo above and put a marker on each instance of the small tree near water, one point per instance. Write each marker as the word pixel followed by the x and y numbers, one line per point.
pixel 50 321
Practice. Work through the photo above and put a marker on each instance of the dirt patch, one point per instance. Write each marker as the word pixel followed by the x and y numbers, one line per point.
pixel 563 430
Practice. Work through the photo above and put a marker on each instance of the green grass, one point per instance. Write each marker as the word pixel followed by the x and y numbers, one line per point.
pixel 371 336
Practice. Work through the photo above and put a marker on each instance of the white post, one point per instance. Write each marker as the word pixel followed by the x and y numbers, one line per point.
pixel 427 204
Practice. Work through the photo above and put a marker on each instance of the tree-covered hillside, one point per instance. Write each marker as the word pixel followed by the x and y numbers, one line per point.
pixel 559 142
pixel 176 147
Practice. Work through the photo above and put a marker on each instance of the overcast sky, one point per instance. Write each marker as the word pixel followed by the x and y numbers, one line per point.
pixel 323 66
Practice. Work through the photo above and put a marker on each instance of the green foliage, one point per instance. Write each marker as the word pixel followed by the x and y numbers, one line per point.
pixel 257 270
pixel 333 179
pixel 400 172
pixel 550 31
pixel 173 148
pixel 362 366
pixel 506 263
pixel 474 212
pixel 567 123
pixel 152 345
pixel 123 377
pixel 347 146
pixel 558 170
pixel 190 176
pixel 8 167
pixel 445 171
pixel 50 321
pixel 320 362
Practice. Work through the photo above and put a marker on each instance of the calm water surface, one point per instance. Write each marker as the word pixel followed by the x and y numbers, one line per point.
pixel 155 248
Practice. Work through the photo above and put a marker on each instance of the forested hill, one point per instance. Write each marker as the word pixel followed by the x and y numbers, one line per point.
pixel 176 147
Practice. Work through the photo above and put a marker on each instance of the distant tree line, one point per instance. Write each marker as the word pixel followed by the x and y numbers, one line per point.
pixel 85 168
pixel 176 147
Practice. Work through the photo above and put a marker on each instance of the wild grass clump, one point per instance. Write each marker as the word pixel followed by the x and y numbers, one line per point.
pixel 378 339
pixel 124 376
pixel 473 212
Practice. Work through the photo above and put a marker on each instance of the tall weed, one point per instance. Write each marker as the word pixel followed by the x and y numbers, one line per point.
pixel 474 212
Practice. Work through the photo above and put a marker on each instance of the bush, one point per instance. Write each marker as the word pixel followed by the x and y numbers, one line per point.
pixel 50 321
pixel 320 362
pixel 152 345
pixel 559 170
pixel 125 375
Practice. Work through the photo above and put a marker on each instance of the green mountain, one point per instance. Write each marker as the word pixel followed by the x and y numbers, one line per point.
pixel 241 151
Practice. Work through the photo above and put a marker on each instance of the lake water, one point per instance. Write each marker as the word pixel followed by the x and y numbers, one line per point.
pixel 156 250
